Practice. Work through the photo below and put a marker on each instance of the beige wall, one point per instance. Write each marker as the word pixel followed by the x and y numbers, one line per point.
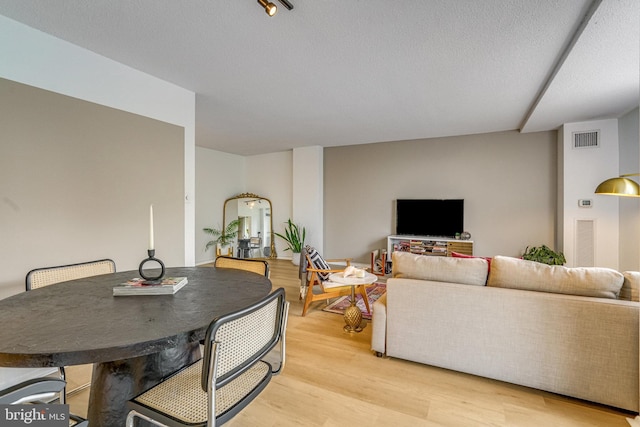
pixel 508 181
pixel 76 182
pixel 32 57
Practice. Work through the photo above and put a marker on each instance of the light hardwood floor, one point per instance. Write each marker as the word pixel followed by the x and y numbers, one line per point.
pixel 331 378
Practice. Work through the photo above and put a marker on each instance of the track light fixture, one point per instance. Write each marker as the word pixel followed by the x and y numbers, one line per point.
pixel 269 7
pixel 286 4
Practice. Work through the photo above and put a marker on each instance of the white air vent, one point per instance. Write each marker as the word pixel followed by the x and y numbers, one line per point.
pixel 588 139
pixel 585 242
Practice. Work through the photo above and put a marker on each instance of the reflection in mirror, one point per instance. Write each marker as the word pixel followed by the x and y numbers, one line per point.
pixel 255 229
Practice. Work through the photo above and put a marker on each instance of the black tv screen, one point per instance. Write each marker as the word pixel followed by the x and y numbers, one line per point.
pixel 430 217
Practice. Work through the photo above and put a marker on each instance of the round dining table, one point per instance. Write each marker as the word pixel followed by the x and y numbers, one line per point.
pixel 133 341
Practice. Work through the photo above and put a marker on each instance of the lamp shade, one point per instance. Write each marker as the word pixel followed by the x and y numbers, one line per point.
pixel 619 186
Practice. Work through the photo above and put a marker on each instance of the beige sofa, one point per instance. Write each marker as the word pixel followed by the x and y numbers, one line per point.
pixel 573 335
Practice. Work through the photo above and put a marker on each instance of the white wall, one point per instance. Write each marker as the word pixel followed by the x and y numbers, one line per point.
pixel 628 134
pixel 308 193
pixel 40 60
pixel 270 176
pixel 582 170
pixel 219 176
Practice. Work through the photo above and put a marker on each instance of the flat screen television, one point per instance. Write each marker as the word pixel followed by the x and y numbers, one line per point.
pixel 430 217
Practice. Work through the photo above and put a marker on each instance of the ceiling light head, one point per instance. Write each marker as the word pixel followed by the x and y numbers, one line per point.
pixel 269 7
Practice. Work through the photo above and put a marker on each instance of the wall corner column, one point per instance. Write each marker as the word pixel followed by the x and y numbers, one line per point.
pixel 308 193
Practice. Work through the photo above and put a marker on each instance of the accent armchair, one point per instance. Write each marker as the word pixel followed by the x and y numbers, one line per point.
pixel 315 272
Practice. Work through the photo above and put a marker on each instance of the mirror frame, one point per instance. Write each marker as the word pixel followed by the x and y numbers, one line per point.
pixel 272 244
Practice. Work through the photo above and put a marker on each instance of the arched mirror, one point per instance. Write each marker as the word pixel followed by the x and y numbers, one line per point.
pixel 255 228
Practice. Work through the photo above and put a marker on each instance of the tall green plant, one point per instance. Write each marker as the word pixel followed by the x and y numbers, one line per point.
pixel 222 236
pixel 294 236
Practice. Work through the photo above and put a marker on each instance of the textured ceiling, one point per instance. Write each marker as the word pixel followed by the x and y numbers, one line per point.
pixel 351 72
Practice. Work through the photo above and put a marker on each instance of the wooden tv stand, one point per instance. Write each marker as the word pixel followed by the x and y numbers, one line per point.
pixel 428 245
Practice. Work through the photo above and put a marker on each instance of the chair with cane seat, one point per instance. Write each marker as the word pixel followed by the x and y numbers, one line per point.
pixel 35 391
pixel 41 277
pixel 254 265
pixel 255 243
pixel 230 375
pixel 31 391
pixel 315 272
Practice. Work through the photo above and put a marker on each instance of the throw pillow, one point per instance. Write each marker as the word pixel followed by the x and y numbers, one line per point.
pixel 459 255
pixel 318 262
pixel 514 273
pixel 440 268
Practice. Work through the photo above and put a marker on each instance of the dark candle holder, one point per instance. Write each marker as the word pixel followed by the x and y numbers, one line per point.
pixel 152 257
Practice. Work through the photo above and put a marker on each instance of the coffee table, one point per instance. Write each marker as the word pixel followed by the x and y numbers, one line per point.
pixel 352 315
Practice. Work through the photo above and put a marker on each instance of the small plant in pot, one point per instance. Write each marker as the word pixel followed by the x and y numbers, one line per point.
pixel 223 238
pixel 544 255
pixel 294 237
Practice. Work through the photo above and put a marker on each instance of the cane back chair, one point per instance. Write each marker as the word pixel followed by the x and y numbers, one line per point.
pixel 230 375
pixel 38 391
pixel 254 265
pixel 41 277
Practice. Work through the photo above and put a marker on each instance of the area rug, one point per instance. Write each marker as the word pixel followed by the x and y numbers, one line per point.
pixel 374 292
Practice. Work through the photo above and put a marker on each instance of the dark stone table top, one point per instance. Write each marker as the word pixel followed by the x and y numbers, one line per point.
pixel 80 321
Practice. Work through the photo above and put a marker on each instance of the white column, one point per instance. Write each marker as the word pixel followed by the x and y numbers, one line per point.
pixel 580 172
pixel 308 190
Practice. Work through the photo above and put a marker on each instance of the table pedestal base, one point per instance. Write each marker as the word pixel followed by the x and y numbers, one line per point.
pixel 114 383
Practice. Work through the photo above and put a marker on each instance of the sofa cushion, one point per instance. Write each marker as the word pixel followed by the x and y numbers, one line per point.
pixel 507 272
pixel 467 271
pixel 631 286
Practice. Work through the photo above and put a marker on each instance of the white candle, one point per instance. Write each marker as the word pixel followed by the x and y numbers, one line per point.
pixel 151 227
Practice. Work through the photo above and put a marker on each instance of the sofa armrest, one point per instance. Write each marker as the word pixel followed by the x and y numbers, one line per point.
pixel 379 325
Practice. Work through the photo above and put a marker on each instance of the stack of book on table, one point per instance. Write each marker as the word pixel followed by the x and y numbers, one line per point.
pixel 137 286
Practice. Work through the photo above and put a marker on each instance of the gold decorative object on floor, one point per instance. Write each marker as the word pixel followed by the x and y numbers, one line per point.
pixel 352 314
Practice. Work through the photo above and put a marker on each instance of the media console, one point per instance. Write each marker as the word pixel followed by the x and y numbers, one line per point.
pixel 428 245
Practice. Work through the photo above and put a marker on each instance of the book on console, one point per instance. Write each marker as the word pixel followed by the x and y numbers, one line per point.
pixel 138 286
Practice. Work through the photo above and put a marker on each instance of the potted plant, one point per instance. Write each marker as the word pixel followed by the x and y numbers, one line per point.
pixel 223 238
pixel 544 255
pixel 294 236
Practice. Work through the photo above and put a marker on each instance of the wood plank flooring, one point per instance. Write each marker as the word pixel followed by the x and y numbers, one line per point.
pixel 332 378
